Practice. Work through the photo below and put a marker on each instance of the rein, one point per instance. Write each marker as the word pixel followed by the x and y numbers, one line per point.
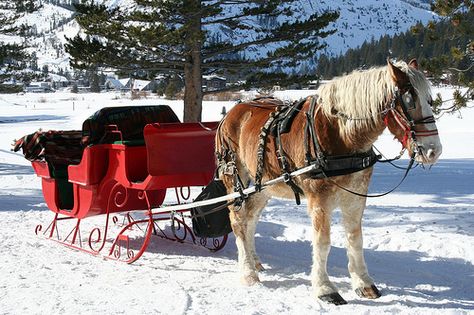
pixel 322 166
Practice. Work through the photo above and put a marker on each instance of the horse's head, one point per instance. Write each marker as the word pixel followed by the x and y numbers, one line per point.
pixel 409 116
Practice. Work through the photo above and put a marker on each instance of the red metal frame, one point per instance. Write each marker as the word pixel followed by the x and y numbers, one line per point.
pixel 114 178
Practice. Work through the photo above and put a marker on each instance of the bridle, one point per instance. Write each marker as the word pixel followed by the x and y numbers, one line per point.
pixel 407 102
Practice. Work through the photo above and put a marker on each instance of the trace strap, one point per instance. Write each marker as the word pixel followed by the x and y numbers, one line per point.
pixel 235 195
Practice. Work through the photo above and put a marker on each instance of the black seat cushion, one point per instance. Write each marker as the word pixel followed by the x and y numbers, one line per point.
pixel 130 121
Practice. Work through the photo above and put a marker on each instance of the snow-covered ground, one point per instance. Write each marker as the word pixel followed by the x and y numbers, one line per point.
pixel 419 241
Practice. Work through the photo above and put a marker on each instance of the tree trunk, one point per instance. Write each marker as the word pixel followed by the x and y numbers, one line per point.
pixel 192 69
pixel 193 88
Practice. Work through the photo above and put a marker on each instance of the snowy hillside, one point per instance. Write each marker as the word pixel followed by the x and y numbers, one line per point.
pixel 418 241
pixel 52 23
pixel 370 19
pixel 359 21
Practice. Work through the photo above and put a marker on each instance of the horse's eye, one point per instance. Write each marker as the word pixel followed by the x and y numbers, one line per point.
pixel 407 99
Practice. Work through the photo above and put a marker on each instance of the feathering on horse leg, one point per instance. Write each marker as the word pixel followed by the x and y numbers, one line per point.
pixel 246 262
pixel 352 208
pixel 244 222
pixel 256 202
pixel 321 220
pixel 362 283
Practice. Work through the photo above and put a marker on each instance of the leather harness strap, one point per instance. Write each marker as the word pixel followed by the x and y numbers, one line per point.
pixel 274 124
pixel 327 166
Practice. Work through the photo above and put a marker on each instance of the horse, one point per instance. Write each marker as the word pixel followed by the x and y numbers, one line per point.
pixel 349 113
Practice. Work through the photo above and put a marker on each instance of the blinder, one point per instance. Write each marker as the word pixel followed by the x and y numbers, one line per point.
pixel 406 98
pixel 408 101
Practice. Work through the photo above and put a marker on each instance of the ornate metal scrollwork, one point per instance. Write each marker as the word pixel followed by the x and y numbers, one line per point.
pixel 119 195
pixel 134 232
pixel 180 229
pixel 38 229
pixel 97 240
pixel 216 244
pixel 181 196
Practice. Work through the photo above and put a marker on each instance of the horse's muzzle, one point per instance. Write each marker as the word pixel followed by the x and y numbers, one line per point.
pixel 428 156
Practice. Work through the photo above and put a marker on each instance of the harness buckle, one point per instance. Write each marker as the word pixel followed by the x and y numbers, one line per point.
pixel 286 177
pixel 229 168
pixel 366 162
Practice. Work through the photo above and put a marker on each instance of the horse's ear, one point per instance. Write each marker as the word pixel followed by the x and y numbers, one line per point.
pixel 398 76
pixel 413 63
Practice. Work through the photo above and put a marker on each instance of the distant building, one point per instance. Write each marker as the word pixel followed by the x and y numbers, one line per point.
pixel 213 82
pixel 140 85
pixel 113 84
pixel 124 82
pixel 11 84
pixel 276 88
pixel 313 85
pixel 58 81
pixel 39 87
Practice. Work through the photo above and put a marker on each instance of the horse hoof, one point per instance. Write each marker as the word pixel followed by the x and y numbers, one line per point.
pixel 333 298
pixel 250 280
pixel 370 293
pixel 259 267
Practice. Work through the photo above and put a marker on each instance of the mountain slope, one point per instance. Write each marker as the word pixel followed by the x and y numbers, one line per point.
pixel 359 21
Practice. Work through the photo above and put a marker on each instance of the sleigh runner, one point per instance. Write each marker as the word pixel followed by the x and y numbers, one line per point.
pixel 122 170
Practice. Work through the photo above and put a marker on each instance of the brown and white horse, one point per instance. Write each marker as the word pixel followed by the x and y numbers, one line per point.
pixel 351 113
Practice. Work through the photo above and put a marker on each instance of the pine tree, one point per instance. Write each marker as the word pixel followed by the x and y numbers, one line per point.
pixel 178 37
pixel 94 80
pixel 460 61
pixel 13 55
pixel 444 49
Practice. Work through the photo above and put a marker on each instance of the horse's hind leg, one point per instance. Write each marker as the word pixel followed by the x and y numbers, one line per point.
pixel 321 219
pixel 352 211
pixel 244 222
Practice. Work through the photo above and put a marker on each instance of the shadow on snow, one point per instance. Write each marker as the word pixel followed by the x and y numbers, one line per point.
pixel 14 169
pixel 22 119
pixel 448 181
pixel 410 274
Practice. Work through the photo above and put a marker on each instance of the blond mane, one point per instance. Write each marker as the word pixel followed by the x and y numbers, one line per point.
pixel 361 96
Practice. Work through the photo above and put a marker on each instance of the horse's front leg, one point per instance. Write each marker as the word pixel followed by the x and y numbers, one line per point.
pixel 362 283
pixel 321 219
pixel 244 222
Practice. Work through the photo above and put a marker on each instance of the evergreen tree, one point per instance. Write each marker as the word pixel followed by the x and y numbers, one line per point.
pixel 94 80
pixel 178 37
pixel 444 49
pixel 172 88
pixel 13 55
pixel 460 61
pixel 74 88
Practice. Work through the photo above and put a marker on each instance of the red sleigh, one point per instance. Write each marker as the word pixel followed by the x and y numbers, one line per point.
pixel 130 177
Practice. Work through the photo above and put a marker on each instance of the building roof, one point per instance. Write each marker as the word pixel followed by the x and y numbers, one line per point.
pixel 213 76
pixel 57 78
pixel 140 84
pixel 114 82
pixel 124 82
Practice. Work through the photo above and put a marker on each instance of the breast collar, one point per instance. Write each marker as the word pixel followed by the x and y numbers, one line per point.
pixel 280 122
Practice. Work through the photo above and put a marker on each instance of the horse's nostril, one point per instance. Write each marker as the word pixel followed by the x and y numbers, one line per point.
pixel 430 154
